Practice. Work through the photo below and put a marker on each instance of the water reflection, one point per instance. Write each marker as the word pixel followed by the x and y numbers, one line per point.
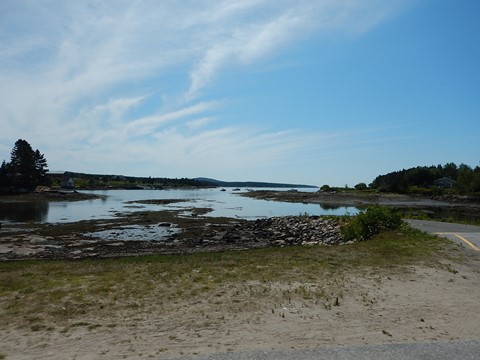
pixel 113 202
pixel 24 211
pixel 330 207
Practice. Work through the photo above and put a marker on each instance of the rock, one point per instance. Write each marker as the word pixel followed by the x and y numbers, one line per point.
pixel 279 231
pixel 35 240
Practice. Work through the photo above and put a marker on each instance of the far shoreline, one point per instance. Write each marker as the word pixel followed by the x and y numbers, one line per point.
pixel 359 198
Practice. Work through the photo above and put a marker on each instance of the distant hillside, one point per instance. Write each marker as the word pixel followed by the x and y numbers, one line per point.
pixel 249 184
pixel 93 181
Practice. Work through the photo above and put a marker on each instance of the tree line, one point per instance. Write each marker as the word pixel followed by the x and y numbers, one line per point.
pixel 465 179
pixel 26 169
pixel 83 180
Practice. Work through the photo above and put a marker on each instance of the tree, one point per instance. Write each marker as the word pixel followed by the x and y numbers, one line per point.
pixel 361 186
pixel 41 167
pixel 450 170
pixel 27 168
pixel 464 178
pixel 4 178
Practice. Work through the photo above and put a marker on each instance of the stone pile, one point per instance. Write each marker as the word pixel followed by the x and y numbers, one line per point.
pixel 278 231
pixel 299 230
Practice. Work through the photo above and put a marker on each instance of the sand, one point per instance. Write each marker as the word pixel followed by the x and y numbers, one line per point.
pixel 410 304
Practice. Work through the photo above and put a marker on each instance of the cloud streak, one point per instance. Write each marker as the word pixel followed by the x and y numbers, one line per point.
pixel 117 79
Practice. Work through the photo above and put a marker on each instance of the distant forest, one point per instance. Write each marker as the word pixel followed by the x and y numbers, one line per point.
pixel 460 179
pixel 82 180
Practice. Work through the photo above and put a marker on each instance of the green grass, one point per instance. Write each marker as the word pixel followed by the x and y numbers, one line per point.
pixel 466 218
pixel 37 294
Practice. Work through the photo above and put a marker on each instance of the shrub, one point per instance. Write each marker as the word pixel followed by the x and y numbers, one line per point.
pixel 370 222
pixel 361 186
pixel 325 188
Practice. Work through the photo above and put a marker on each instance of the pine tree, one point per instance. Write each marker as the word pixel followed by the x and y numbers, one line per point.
pixel 4 178
pixel 41 167
pixel 27 168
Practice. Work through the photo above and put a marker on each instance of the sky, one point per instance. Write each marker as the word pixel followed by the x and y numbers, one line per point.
pixel 315 92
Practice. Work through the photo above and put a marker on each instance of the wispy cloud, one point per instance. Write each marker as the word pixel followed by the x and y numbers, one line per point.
pixel 123 78
pixel 149 124
pixel 199 123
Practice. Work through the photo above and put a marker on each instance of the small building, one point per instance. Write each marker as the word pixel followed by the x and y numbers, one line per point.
pixel 67 181
pixel 445 183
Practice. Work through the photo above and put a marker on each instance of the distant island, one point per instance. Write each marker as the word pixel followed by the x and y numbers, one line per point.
pixel 74 180
pixel 250 184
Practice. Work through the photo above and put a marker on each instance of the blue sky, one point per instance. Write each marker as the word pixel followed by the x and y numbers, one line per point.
pixel 305 91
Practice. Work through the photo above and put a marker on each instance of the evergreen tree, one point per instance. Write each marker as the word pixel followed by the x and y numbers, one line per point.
pixel 4 177
pixel 23 164
pixel 41 167
pixel 27 168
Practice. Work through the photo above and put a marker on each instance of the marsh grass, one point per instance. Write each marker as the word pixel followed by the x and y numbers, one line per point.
pixel 63 294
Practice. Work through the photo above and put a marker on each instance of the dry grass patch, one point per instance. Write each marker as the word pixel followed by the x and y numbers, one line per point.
pixel 47 295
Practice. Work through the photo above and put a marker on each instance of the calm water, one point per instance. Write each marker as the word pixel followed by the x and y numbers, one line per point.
pixel 222 203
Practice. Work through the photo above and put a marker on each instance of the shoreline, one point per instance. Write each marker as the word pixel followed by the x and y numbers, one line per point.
pixel 170 232
pixel 347 198
pixel 363 198
pixel 161 232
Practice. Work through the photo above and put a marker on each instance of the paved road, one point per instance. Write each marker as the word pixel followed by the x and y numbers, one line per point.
pixel 452 350
pixel 467 235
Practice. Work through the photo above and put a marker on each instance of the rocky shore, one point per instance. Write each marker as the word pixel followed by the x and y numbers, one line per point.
pixel 163 232
pixel 48 194
pixel 172 232
pixel 280 231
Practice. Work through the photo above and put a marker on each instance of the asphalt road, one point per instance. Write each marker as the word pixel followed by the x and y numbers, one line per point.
pixel 467 235
pixel 452 350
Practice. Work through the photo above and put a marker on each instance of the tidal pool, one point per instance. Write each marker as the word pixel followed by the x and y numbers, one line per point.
pixel 135 233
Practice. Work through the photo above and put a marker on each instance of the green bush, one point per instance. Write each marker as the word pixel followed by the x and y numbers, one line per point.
pixel 325 188
pixel 361 186
pixel 370 222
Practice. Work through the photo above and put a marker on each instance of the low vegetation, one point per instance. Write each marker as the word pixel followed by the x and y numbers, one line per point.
pixel 370 222
pixel 47 295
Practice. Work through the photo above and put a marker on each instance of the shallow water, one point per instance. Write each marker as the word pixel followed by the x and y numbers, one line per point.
pixel 135 233
pixel 221 203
